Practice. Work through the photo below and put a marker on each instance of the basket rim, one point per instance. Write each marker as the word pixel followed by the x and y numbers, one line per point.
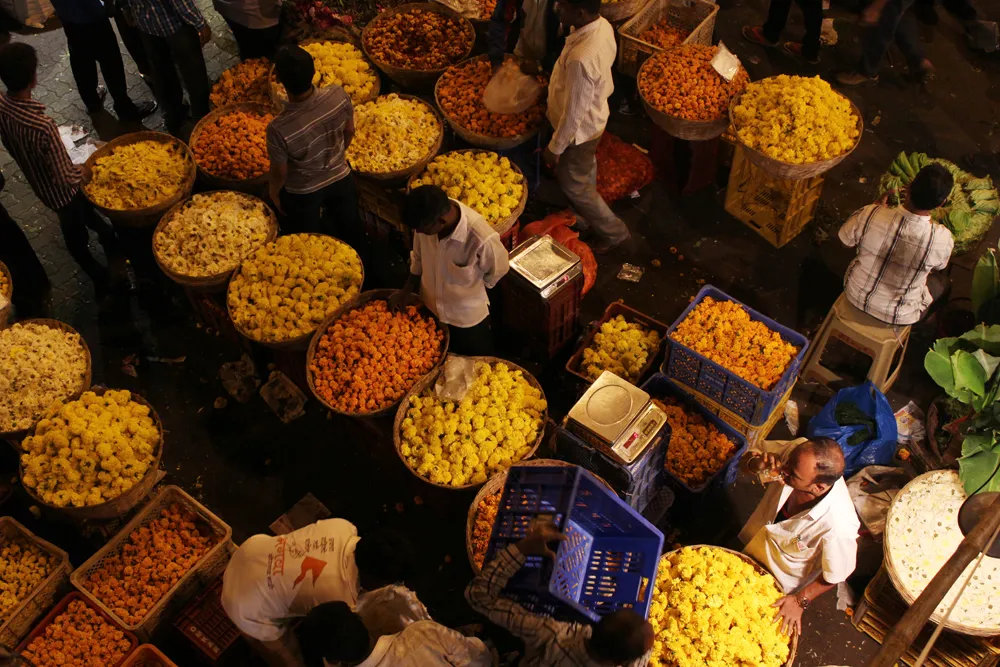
pixel 346 38
pixel 622 10
pixel 261 77
pixel 225 182
pixel 63 568
pixel 573 363
pixel 151 651
pixel 420 164
pixel 428 381
pixel 361 300
pixel 469 29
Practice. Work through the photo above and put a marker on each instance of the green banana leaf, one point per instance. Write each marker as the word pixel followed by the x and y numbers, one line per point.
pixel 985 280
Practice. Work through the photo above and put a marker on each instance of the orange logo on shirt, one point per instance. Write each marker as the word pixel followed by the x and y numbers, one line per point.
pixel 310 564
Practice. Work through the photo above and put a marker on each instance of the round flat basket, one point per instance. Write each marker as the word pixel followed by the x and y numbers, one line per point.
pixel 85 379
pixel 427 382
pixel 149 215
pixel 217 282
pixel 495 485
pixel 256 184
pixel 503 226
pixel 6 292
pixel 358 302
pixel 279 98
pixel 297 343
pixel 475 138
pixel 787 171
pixel 619 11
pixel 415 78
pixel 121 505
pixel 419 165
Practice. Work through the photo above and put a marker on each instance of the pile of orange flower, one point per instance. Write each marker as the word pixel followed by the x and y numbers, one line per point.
pixel 486 8
pixel 723 332
pixel 665 33
pixel 482 529
pixel 621 168
pixel 697 450
pixel 460 92
pixel 369 358
pixel 417 39
pixel 681 82
pixel 234 146
pixel 245 82
pixel 155 557
pixel 78 636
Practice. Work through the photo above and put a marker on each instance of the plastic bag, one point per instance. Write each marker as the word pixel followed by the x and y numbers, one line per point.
pixel 510 90
pixel 877 450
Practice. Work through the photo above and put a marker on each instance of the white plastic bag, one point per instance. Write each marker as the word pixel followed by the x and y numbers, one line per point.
pixel 510 90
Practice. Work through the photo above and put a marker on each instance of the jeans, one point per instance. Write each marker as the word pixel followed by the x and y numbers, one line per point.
pixel 183 49
pixel 896 22
pixel 255 42
pixel 577 176
pixel 812 16
pixel 474 341
pixel 74 220
pixel 90 44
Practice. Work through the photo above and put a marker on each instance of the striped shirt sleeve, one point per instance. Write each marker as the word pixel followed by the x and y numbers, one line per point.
pixel 580 89
pixel 277 148
pixel 52 145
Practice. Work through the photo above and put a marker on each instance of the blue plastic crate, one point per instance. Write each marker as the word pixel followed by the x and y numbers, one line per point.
pixel 744 399
pixel 660 386
pixel 607 562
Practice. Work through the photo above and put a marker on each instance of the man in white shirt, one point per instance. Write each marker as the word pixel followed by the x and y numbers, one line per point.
pixel 578 111
pixel 805 529
pixel 456 257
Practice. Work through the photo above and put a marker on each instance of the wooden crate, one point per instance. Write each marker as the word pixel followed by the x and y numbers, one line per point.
pixel 542 327
pixel 776 209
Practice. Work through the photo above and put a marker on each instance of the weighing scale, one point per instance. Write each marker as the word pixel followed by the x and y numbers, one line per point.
pixel 617 418
pixel 545 264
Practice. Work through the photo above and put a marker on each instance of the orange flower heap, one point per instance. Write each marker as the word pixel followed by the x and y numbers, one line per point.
pixel 482 529
pixel 666 33
pixel 244 82
pixel 417 40
pixel 723 332
pixel 697 450
pixel 78 636
pixel 681 82
pixel 234 146
pixel 460 91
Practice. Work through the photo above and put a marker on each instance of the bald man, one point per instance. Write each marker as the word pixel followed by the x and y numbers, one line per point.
pixel 805 530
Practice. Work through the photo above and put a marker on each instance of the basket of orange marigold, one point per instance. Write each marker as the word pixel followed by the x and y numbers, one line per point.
pixel 243 82
pixel 230 147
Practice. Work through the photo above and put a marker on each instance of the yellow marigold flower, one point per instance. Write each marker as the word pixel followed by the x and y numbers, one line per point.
pixel 478 180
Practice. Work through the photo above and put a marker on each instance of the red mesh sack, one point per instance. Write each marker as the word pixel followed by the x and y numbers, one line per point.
pixel 587 260
pixel 549 222
pixel 621 168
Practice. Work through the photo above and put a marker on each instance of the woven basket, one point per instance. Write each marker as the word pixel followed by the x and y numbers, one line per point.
pixel 148 655
pixel 495 485
pixel 427 382
pixel 85 379
pixel 483 140
pixel 358 302
pixel 297 343
pixel 8 294
pixel 218 281
pixel 794 172
pixel 619 11
pixel 417 166
pixel 140 217
pixel 20 619
pixel 279 98
pixel 504 225
pixel 413 78
pixel 697 15
pixel 256 184
pixel 201 573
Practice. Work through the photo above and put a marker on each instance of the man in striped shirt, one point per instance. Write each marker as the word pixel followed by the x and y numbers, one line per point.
pixel 33 140
pixel 899 247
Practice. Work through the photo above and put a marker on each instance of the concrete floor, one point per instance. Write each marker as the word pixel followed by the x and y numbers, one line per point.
pixel 249 468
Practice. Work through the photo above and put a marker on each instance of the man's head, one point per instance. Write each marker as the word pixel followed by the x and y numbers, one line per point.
pixel 930 188
pixel 428 210
pixel 295 69
pixel 383 557
pixel 332 632
pixel 577 13
pixel 18 65
pixel 814 466
pixel 620 638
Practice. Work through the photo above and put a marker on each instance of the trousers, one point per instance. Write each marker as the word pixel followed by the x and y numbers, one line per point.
pixel 577 176
pixel 255 42
pixel 180 51
pixel 812 16
pixel 74 220
pixel 26 270
pixel 90 44
pixel 896 22
pixel 474 341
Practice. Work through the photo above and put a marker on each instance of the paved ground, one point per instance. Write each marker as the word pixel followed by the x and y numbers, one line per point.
pixel 249 467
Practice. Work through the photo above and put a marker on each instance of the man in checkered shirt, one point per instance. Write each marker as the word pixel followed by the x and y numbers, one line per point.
pixel 899 248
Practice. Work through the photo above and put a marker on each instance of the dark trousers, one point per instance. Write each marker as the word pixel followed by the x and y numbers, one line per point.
pixel 30 281
pixel 74 220
pixel 896 22
pixel 132 39
pixel 812 16
pixel 90 44
pixel 255 42
pixel 963 10
pixel 475 341
pixel 331 210
pixel 180 51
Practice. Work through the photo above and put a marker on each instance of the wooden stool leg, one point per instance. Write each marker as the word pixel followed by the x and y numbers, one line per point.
pixel 884 371
pixel 812 364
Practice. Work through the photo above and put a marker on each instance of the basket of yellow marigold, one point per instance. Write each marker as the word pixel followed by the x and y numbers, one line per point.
pixel 339 61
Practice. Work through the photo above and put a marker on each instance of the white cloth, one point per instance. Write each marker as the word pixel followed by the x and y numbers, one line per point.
pixel 426 644
pixel 272 580
pixel 822 540
pixel 581 85
pixel 455 272
pixel 254 14
pixel 390 609
pixel 531 41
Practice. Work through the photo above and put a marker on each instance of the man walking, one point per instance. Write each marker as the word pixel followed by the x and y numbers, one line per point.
pixel 888 20
pixel 777 18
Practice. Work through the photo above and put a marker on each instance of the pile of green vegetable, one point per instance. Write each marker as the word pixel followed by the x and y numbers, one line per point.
pixel 847 413
pixel 970 209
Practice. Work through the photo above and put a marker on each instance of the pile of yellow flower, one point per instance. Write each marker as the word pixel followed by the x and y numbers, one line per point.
pixel 286 288
pixel 795 119
pixel 391 134
pixel 493 427
pixel 139 175
pixel 697 450
pixel 90 450
pixel 483 181
pixel 23 568
pixel 621 347
pixel 723 332
pixel 711 607
pixel 339 64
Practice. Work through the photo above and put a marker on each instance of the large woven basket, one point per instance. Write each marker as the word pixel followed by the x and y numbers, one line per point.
pixel 504 225
pixel 475 138
pixel 621 10
pixel 358 302
pixel 297 343
pixel 253 185
pixel 428 382
pixel 7 293
pixel 794 172
pixel 414 78
pixel 140 217
pixel 85 379
pixel 201 573
pixel 279 98
pixel 419 165
pixel 218 281
pixel 17 622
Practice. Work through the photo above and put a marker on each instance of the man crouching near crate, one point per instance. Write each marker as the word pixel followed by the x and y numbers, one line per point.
pixel 805 529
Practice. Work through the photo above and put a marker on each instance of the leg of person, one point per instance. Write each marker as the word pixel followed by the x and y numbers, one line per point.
pixel 255 42
pixel 267 40
pixel 166 84
pixel 186 47
pixel 110 58
pixel 73 222
pixel 83 46
pixel 908 38
pixel 132 39
pixel 301 212
pixel 812 16
pixel 340 213
pixel 777 19
pixel 244 38
pixel 30 281
pixel 876 40
pixel 577 176
pixel 474 341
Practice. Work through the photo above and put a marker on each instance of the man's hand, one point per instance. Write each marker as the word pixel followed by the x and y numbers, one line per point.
pixel 550 158
pixel 396 300
pixel 537 541
pixel 789 615
pixel 763 462
pixel 531 67
pixel 205 35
